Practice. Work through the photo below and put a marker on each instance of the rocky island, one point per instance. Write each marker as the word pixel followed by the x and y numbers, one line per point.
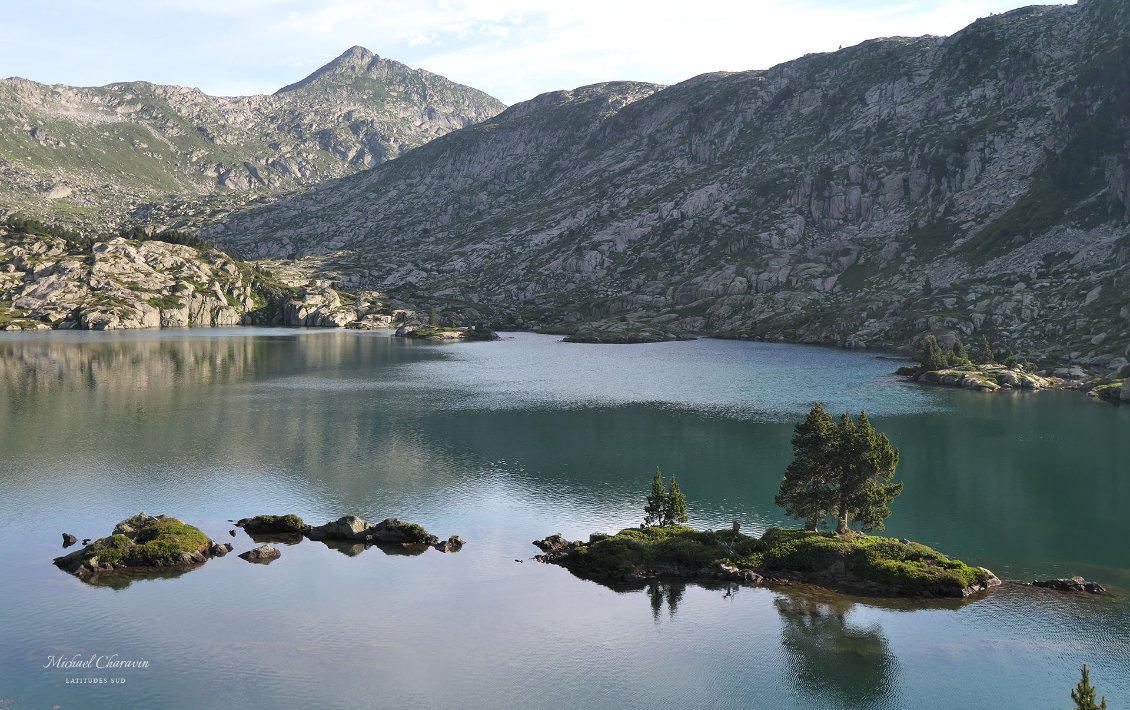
pixel 143 543
pixel 981 371
pixel 445 332
pixel 350 528
pixel 852 563
pixel 623 333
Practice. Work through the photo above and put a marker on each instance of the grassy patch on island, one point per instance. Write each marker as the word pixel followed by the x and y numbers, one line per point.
pixel 854 560
pixel 146 542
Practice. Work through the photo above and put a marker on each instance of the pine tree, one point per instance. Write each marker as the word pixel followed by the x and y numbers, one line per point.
pixel 654 508
pixel 866 463
pixel 806 489
pixel 1084 693
pixel 675 505
pixel 434 319
pixel 984 355
pixel 958 354
pixel 842 469
pixel 933 357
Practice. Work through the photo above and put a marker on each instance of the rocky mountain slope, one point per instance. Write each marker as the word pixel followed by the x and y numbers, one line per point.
pixel 978 183
pixel 51 281
pixel 132 152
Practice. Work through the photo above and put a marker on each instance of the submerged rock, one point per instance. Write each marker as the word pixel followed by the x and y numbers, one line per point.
pixel 143 542
pixel 1071 584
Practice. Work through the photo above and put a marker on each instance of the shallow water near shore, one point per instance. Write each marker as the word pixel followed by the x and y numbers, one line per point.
pixel 503 443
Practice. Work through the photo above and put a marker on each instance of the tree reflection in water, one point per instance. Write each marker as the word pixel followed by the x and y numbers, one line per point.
pixel 669 592
pixel 845 665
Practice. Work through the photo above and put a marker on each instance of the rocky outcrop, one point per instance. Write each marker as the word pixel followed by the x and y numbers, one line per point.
pixel 47 282
pixel 141 152
pixel 318 306
pixel 983 378
pixel 444 332
pixel 451 544
pixel 139 544
pixel 963 185
pixel 1071 584
pixel 272 524
pixel 264 554
pixel 390 531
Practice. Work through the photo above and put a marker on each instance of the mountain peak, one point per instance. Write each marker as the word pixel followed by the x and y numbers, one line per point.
pixel 354 60
pixel 356 56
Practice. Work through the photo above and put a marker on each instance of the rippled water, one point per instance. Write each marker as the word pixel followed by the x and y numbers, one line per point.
pixel 503 443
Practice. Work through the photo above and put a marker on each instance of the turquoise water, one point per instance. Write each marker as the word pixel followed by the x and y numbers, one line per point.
pixel 503 443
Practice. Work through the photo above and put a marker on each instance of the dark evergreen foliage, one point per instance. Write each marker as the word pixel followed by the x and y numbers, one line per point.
pixel 1084 693
pixel 840 469
pixel 665 506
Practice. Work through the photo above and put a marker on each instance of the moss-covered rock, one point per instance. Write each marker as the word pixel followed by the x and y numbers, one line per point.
pixel 272 524
pixel 1109 391
pixel 143 542
pixel 862 563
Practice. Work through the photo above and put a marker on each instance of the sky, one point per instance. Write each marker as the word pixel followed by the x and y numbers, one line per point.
pixel 512 49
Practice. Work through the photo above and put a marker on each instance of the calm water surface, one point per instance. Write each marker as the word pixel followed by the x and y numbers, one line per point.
pixel 503 443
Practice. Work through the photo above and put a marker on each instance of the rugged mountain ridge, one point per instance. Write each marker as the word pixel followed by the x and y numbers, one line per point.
pixel 978 183
pixel 129 152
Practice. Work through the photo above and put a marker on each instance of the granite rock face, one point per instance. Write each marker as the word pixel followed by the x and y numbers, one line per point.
pixel 119 283
pixel 978 183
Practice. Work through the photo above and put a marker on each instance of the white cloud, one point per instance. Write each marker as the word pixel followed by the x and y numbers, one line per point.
pixel 513 49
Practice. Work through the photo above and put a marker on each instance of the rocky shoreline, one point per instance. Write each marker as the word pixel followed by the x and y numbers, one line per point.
pixel 1113 388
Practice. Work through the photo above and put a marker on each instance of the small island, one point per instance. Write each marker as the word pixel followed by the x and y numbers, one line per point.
pixel 446 332
pixel 616 332
pixel 855 563
pixel 981 371
pixel 841 470
pixel 957 368
pixel 143 543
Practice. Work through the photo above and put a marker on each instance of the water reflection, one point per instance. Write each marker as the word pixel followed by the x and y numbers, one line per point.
pixel 121 580
pixel 353 549
pixel 660 592
pixel 846 665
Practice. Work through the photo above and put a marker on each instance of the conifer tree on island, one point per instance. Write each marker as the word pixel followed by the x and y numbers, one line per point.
pixel 806 491
pixel 933 357
pixel 675 507
pixel 665 506
pixel 653 509
pixel 843 469
pixel 1084 693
